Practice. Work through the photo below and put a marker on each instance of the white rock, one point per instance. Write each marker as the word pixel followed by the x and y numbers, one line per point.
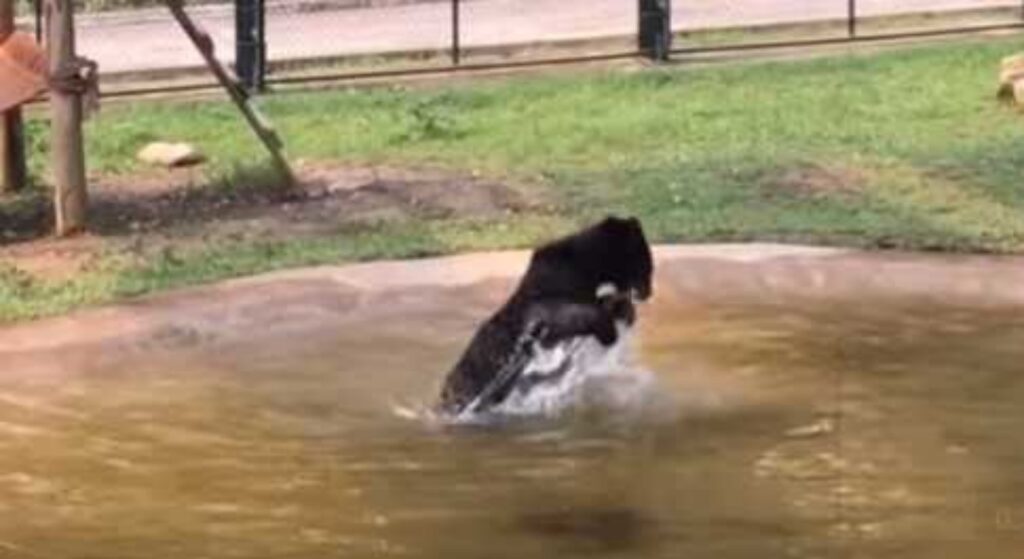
pixel 1011 79
pixel 170 154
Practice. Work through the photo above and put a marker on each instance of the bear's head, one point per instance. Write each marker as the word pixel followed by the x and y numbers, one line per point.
pixel 626 256
pixel 613 251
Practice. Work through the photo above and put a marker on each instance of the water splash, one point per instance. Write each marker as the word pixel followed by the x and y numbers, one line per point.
pixel 580 374
pixel 577 376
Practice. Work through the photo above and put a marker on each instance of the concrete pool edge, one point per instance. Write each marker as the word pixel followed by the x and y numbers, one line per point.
pixel 287 299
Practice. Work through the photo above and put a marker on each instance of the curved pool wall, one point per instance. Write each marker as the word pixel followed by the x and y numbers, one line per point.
pixel 294 301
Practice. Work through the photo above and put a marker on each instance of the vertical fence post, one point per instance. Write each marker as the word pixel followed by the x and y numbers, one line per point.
pixel 250 44
pixel 261 21
pixel 456 30
pixel 37 6
pixel 851 18
pixel 13 175
pixel 654 36
pixel 68 155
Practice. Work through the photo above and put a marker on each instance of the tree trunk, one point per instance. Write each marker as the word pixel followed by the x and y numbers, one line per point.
pixel 70 197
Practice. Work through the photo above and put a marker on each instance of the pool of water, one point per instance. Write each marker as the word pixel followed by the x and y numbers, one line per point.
pixel 789 428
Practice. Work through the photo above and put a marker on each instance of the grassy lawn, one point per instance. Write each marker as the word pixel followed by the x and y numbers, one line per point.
pixel 904 149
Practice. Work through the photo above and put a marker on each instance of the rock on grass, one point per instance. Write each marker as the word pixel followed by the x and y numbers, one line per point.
pixel 170 154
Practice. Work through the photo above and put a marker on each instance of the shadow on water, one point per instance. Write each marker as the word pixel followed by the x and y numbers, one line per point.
pixel 598 530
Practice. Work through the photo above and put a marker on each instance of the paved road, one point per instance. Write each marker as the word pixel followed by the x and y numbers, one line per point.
pixel 133 42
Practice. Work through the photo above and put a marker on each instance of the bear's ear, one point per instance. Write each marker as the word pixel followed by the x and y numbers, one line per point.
pixel 612 222
pixel 619 227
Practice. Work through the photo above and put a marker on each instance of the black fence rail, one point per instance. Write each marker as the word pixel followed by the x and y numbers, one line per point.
pixel 304 41
pixel 487 34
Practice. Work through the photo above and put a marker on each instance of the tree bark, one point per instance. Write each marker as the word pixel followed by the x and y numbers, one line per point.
pixel 70 195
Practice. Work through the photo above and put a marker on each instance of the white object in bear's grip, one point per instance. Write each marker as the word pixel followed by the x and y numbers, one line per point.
pixel 607 289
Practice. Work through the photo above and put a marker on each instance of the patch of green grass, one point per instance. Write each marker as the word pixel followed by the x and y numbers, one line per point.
pixel 23 296
pixel 915 104
pixel 914 149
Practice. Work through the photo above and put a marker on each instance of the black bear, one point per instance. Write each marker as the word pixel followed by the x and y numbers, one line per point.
pixel 580 285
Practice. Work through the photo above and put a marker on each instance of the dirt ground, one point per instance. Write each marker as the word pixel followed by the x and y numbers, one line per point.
pixel 151 210
pixel 815 181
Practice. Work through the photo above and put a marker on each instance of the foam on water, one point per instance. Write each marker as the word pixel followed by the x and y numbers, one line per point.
pixel 580 373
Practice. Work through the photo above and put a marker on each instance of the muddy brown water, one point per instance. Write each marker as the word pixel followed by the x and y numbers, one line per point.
pixel 800 423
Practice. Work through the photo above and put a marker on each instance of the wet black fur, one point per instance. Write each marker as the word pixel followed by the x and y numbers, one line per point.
pixel 556 299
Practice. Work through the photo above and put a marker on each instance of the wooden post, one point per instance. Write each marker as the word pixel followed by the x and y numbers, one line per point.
pixel 13 175
pixel 257 122
pixel 70 197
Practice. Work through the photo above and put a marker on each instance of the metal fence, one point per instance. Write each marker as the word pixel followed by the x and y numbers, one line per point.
pixel 296 41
